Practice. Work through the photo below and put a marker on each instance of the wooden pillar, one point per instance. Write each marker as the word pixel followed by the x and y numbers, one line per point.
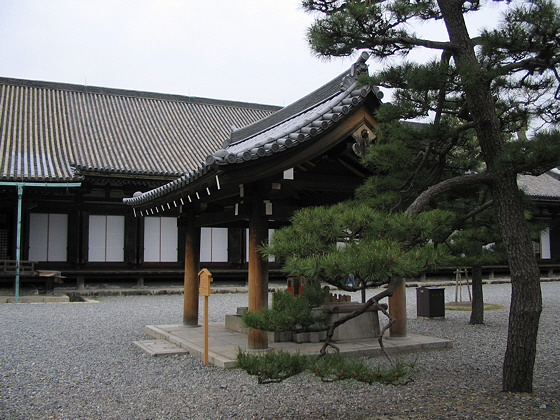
pixel 258 271
pixel 192 263
pixel 397 309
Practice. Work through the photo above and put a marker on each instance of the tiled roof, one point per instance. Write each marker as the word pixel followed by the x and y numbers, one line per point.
pixel 546 185
pixel 47 130
pixel 291 126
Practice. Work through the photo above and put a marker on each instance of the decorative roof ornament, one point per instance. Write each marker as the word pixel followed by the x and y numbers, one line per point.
pixel 356 69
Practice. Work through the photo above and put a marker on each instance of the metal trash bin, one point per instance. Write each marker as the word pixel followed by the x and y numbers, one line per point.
pixel 430 302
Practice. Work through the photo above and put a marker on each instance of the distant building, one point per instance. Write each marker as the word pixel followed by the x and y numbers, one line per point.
pixel 111 143
pixel 75 152
pixel 544 191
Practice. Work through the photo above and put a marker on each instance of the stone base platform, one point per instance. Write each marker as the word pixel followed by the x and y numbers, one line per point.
pixel 224 344
pixel 364 326
pixel 36 299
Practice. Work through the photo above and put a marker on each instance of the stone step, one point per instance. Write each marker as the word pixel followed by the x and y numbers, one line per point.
pixel 159 347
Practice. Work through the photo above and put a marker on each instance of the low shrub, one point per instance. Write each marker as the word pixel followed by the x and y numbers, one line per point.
pixel 275 366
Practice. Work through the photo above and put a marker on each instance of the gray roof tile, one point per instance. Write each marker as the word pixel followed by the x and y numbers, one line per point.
pixel 47 130
pixel 546 185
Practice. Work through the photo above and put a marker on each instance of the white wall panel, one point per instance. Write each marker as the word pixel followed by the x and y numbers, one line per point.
pixel 38 236
pixel 545 244
pixel 219 244
pixel 58 237
pixel 206 244
pixel 48 237
pixel 115 239
pixel 151 239
pixel 168 239
pixel 270 233
pixel 97 238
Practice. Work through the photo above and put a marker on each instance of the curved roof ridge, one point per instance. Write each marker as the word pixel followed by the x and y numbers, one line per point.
pixel 291 125
pixel 321 94
pixel 298 123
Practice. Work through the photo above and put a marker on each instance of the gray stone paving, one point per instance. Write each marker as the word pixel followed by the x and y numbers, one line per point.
pixel 77 361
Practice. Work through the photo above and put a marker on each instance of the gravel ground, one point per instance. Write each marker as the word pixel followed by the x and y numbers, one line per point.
pixel 73 361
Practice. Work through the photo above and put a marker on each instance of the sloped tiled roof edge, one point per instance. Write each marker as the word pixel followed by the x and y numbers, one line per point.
pixel 303 121
pixel 41 179
pixel 132 93
pixel 127 172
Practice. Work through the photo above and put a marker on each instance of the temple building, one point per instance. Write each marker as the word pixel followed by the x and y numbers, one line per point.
pixel 69 154
pixel 108 185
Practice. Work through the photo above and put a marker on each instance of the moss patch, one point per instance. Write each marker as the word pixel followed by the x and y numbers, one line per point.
pixel 466 306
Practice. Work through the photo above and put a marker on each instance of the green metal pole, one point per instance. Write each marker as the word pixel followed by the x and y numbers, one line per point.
pixel 20 186
pixel 18 241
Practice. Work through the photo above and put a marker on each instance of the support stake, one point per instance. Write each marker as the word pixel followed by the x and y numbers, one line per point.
pixel 205 278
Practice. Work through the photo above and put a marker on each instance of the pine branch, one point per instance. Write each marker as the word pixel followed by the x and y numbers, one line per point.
pixel 458 223
pixel 447 185
pixel 529 64
pixel 414 42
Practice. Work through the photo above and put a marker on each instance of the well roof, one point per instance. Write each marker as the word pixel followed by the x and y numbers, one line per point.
pixel 292 126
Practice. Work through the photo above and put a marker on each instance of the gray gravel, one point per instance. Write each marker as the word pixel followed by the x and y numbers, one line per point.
pixel 70 361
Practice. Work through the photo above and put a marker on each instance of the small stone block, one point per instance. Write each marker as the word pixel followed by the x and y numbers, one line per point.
pixel 159 347
pixel 282 336
pixel 234 323
pixel 300 337
pixel 241 310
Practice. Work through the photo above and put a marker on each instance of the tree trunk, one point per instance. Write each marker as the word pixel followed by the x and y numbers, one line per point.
pixel 526 301
pixel 477 310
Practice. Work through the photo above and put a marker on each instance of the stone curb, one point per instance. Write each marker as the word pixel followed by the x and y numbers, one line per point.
pixel 66 295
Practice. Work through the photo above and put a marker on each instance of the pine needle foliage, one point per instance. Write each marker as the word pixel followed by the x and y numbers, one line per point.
pixel 276 366
pixel 289 312
pixel 325 244
pixel 336 367
pixel 272 366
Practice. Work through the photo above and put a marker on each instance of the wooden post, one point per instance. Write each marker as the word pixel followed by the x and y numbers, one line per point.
pixel 258 271
pixel 192 257
pixel 205 280
pixel 397 309
pixel 81 280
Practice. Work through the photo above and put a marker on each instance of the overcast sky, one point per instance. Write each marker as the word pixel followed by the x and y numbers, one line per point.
pixel 243 50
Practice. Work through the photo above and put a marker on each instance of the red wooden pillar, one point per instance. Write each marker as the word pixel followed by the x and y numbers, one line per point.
pixel 192 263
pixel 397 309
pixel 258 270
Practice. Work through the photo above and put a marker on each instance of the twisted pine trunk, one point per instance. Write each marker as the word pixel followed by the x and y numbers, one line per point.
pixel 526 302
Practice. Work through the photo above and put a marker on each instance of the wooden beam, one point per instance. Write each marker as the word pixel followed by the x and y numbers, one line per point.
pixel 321 182
pixel 258 270
pixel 192 263
pixel 256 170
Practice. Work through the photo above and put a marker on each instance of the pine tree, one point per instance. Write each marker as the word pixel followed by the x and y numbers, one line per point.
pixel 482 91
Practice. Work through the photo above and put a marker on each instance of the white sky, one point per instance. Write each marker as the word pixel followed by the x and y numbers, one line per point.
pixel 243 50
